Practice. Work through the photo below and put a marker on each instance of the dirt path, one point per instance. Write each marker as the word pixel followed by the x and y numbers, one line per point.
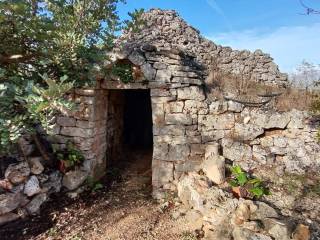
pixel 123 210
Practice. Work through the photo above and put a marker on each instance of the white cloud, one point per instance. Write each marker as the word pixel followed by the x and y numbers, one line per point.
pixel 287 45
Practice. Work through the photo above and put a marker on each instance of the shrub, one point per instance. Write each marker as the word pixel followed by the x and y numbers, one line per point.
pixel 253 187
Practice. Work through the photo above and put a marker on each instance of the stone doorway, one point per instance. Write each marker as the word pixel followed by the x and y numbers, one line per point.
pixel 129 130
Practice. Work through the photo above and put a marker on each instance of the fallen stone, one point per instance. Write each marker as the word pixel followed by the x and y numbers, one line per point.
pixel 302 232
pixel 54 183
pixel 34 206
pixel 8 217
pixel 9 202
pixel 32 186
pixel 245 234
pixel 214 165
pixel 18 173
pixel 73 179
pixel 263 211
pixel 5 184
pixel 36 165
pixel 277 229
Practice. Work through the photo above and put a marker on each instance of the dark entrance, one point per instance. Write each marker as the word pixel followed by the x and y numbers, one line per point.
pixel 129 130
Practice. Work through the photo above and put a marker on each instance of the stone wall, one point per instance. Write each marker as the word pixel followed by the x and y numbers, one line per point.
pixel 86 128
pixel 166 30
pixel 185 121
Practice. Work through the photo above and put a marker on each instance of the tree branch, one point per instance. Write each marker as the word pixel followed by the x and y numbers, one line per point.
pixel 309 10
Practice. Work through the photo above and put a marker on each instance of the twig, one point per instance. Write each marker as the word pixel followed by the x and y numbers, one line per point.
pixel 309 10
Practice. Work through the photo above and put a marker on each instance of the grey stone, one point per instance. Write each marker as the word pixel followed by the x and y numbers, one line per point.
pixel 178 118
pixel 8 217
pixel 159 65
pixel 32 186
pixel 191 93
pixel 34 206
pixel 54 183
pixel 77 132
pixel 213 122
pixel 234 106
pixel 195 107
pixel 73 179
pixel 136 58
pixel 178 152
pixel 236 151
pixel 10 201
pixel 148 71
pixel 263 211
pixel 218 107
pixel 163 76
pixel 66 121
pixel 248 131
pixel 271 120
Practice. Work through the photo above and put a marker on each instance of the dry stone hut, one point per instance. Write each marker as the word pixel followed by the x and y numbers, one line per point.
pixel 156 100
pixel 165 108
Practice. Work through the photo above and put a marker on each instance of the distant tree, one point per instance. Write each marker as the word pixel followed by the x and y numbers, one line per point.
pixel 306 75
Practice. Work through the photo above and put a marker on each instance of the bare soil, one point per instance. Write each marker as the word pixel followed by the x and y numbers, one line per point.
pixel 123 209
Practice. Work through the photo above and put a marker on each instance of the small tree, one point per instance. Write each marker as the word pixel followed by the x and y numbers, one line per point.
pixel 46 48
pixel 306 75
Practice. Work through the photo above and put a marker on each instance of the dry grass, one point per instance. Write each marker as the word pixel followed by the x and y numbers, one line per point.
pixel 293 98
pixel 246 89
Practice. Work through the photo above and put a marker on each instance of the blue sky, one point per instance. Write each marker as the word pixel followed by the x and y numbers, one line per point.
pixel 275 26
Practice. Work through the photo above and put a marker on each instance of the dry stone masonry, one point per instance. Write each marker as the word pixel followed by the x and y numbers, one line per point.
pixel 191 132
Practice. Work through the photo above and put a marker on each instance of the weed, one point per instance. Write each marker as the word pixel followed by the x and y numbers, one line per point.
pixel 52 232
pixel 252 185
pixel 69 157
pixel 187 235
pixel 93 184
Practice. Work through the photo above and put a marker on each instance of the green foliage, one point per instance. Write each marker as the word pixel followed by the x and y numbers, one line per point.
pixel 70 156
pixel 93 184
pixel 187 235
pixel 136 21
pixel 123 71
pixel 46 47
pixel 253 185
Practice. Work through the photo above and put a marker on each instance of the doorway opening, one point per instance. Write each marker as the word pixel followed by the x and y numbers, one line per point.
pixel 129 131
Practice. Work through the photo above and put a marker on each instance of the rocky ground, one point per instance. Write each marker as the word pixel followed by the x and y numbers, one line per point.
pixel 123 209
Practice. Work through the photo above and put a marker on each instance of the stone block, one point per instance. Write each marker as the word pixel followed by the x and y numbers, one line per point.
pixel 136 58
pixel 179 152
pixel 85 124
pixel 77 132
pixel 160 65
pixel 178 118
pixel 162 173
pixel 175 107
pixel 195 107
pixel 218 107
pixel 248 131
pixel 160 151
pixel 271 120
pixel 174 130
pixel 148 71
pixel 191 93
pixel 163 76
pixel 213 122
